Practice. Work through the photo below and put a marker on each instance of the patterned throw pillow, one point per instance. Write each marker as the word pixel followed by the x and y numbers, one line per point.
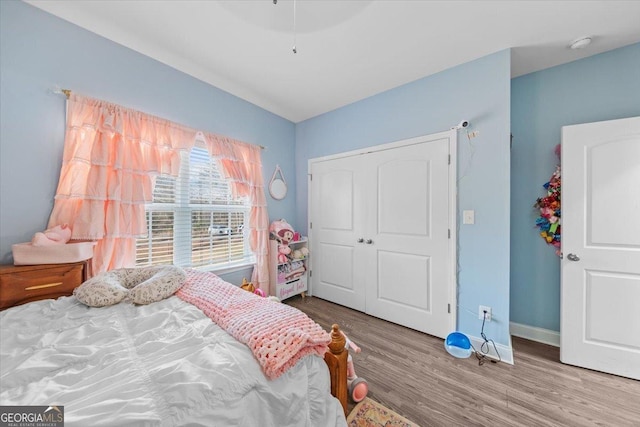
pixel 101 291
pixel 140 285
pixel 153 283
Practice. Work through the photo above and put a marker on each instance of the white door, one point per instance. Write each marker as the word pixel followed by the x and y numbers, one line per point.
pixel 379 225
pixel 336 216
pixel 600 301
pixel 408 226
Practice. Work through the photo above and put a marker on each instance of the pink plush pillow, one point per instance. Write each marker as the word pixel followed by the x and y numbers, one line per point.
pixel 58 235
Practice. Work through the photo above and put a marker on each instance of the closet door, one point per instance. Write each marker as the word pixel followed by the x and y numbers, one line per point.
pixel 338 216
pixel 380 223
pixel 408 229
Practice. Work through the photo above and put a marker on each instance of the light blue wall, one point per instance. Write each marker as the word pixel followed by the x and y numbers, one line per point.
pixel 38 51
pixel 478 91
pixel 601 87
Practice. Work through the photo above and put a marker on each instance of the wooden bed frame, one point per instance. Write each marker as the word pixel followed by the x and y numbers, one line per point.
pixel 335 358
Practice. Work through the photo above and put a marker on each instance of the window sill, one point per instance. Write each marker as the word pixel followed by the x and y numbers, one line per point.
pixel 231 268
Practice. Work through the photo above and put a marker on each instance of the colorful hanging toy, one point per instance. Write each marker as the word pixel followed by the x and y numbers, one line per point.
pixel 549 221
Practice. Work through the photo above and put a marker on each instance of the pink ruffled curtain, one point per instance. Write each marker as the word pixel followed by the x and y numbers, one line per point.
pixel 242 165
pixel 111 158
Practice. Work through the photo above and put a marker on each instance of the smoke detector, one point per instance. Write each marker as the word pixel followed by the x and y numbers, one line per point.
pixel 580 43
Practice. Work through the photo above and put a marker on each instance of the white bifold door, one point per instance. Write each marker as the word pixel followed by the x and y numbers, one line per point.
pixel 381 232
pixel 600 300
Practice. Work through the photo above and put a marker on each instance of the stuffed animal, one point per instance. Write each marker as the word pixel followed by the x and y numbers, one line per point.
pixel 283 252
pixel 247 286
pixel 281 231
pixel 58 235
pixel 301 253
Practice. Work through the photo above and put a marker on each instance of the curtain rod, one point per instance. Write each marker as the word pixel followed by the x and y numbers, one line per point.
pixel 67 93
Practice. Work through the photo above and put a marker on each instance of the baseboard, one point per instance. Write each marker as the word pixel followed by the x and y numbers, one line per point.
pixel 545 336
pixel 505 352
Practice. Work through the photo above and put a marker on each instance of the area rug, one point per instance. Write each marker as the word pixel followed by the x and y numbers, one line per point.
pixel 370 413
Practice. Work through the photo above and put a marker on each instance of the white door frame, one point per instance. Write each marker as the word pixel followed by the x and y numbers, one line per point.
pixel 452 135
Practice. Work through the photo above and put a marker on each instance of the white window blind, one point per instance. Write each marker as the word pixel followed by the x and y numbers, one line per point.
pixel 194 221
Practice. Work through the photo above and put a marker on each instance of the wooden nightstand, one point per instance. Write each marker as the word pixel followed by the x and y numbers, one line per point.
pixel 25 283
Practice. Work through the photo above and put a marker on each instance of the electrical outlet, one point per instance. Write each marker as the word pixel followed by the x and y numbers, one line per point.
pixel 481 311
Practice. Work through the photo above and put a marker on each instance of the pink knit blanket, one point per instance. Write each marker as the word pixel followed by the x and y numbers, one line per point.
pixel 277 334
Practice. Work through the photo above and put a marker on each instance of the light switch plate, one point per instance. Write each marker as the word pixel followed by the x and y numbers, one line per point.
pixel 468 217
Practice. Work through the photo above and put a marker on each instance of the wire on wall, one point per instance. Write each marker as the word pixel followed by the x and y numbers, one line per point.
pixel 472 153
pixel 484 347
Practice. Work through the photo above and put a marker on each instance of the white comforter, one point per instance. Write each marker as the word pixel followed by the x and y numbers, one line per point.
pixel 165 364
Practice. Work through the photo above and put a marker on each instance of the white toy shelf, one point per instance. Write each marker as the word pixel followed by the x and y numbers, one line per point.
pixel 288 278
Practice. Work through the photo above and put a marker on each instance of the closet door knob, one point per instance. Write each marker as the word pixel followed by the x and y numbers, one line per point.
pixel 360 240
pixel 573 257
pixel 369 241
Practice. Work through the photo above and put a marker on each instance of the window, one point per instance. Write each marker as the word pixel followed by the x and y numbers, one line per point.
pixel 194 221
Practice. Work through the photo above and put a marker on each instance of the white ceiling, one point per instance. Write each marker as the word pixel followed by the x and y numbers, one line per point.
pixel 346 50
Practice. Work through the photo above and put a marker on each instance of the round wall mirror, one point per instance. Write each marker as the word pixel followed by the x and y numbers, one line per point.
pixel 278 186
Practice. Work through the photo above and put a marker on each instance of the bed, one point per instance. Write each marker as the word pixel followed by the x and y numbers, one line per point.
pixel 161 364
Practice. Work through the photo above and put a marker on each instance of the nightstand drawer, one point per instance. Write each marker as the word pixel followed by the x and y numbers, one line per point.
pixel 19 285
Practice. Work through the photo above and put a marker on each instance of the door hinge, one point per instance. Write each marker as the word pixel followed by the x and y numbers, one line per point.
pixel 448 308
pixel 449 233
pixel 310 273
pixel 310 177
pixel 449 161
pixel 310 225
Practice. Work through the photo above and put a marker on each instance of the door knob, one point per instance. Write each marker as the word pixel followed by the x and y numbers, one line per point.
pixel 573 257
pixel 369 241
pixel 360 240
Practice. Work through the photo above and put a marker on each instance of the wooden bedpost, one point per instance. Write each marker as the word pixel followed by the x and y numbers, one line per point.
pixel 336 359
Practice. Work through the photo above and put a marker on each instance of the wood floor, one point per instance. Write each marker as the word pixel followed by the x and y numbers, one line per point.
pixel 411 373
